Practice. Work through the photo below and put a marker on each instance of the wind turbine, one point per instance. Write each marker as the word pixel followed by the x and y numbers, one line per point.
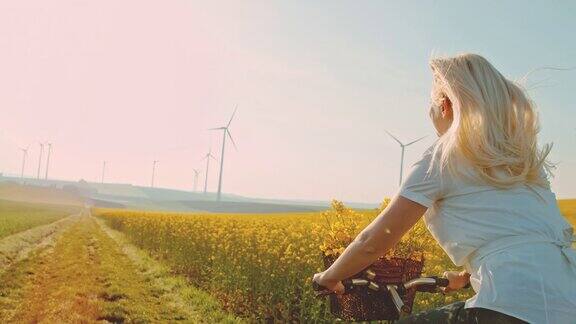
pixel 403 146
pixel 153 172
pixel 207 157
pixel 103 170
pixel 225 131
pixel 40 159
pixel 196 172
pixel 48 160
pixel 24 155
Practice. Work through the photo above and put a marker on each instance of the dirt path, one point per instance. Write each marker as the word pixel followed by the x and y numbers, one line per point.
pixel 84 278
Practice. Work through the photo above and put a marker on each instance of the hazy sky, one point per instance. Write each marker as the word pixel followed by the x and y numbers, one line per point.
pixel 316 83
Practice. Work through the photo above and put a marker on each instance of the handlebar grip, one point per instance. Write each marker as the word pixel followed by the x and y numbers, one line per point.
pixel 317 287
pixel 442 282
pixel 432 287
pixel 322 291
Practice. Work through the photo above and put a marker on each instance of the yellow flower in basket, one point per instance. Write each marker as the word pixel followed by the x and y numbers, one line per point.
pixel 343 224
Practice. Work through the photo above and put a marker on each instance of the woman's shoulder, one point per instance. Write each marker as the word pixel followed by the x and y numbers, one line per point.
pixel 433 154
pixel 456 172
pixel 430 149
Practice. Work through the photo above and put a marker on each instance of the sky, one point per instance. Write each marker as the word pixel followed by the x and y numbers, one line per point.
pixel 315 83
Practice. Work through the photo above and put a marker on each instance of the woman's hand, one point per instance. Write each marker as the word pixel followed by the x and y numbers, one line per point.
pixel 457 280
pixel 332 285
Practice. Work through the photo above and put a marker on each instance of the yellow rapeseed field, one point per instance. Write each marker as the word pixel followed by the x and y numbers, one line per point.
pixel 260 266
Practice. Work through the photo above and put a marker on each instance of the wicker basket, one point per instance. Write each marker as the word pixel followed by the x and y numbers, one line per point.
pixel 367 305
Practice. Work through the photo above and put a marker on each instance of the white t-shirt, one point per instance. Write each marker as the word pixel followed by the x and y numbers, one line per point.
pixel 515 243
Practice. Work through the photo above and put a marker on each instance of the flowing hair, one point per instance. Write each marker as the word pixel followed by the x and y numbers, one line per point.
pixel 494 127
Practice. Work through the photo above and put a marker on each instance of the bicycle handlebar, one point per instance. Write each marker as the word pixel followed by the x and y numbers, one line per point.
pixel 423 284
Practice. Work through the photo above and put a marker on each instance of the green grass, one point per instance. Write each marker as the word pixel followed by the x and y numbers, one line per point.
pixel 197 305
pixel 19 216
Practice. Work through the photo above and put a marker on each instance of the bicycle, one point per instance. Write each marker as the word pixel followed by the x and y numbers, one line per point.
pixel 391 294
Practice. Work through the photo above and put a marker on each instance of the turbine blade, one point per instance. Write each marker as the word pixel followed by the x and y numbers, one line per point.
pixel 213 158
pixel 394 137
pixel 416 140
pixel 230 136
pixel 234 113
pixel 216 128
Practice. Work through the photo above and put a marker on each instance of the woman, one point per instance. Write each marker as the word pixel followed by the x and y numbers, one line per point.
pixel 485 196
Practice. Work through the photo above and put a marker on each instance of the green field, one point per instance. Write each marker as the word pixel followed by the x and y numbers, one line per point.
pixel 19 216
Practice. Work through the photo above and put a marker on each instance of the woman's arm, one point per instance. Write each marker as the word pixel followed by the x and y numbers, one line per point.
pixel 374 241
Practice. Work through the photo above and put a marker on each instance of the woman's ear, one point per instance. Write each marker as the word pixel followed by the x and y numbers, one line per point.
pixel 446 108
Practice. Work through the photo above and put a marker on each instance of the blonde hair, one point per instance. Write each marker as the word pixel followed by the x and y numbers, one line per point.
pixel 494 124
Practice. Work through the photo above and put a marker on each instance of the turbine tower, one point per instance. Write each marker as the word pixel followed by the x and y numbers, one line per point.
pixel 153 172
pixel 24 155
pixel 103 170
pixel 403 146
pixel 225 131
pixel 40 159
pixel 207 157
pixel 48 160
pixel 196 172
